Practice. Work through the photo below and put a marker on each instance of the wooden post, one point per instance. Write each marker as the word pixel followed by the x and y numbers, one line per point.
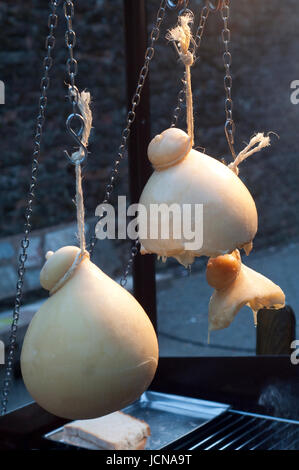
pixel 275 331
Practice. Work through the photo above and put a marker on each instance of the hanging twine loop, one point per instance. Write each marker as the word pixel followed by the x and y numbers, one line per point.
pixel 80 256
pixel 181 36
pixel 257 142
pixel 83 103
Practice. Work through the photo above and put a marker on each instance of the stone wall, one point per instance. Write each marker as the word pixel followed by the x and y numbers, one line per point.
pixel 41 241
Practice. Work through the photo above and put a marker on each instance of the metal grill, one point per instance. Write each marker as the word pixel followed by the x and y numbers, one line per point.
pixel 235 430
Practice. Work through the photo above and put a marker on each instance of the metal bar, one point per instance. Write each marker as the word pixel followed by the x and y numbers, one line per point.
pixel 264 416
pixel 288 443
pixel 235 436
pixel 224 437
pixel 214 435
pixel 144 285
pixel 259 428
pixel 255 441
pixel 261 444
pixel 204 430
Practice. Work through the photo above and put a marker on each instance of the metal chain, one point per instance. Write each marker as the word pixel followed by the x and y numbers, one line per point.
pixel 180 101
pixel 229 126
pixel 70 41
pixel 134 252
pixel 149 54
pixel 202 22
pixel 73 93
pixel 44 85
pixel 198 37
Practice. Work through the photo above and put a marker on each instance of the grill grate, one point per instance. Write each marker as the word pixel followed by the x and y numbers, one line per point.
pixel 235 430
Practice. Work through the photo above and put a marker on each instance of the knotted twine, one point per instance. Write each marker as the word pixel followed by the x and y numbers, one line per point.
pixel 182 37
pixel 84 107
pixel 257 142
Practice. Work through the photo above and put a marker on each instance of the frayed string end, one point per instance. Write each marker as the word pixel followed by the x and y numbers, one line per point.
pixel 257 142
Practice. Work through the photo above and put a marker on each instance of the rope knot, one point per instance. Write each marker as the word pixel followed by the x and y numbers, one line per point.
pixel 80 256
pixel 187 58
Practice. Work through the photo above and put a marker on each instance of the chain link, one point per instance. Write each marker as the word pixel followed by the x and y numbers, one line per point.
pixel 198 37
pixel 175 4
pixel 134 252
pixel 71 63
pixel 229 126
pixel 44 85
pixel 180 101
pixel 149 54
pixel 202 22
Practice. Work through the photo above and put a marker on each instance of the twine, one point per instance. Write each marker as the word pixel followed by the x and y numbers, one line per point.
pixel 257 142
pixel 80 207
pixel 84 107
pixel 182 37
pixel 80 256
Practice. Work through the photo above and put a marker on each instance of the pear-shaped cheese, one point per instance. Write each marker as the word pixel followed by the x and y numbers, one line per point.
pixel 229 212
pixel 90 349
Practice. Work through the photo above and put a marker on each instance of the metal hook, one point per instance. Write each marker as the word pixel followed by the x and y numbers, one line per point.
pixel 76 137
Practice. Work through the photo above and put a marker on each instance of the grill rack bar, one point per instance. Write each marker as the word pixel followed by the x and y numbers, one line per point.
pixel 237 430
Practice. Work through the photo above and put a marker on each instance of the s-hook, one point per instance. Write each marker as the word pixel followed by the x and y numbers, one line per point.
pixel 76 137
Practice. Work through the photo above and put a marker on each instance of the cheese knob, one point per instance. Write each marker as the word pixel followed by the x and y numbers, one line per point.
pixel 223 270
pixel 57 265
pixel 168 148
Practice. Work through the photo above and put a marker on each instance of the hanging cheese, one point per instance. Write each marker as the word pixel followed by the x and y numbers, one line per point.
pixel 90 349
pixel 185 176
